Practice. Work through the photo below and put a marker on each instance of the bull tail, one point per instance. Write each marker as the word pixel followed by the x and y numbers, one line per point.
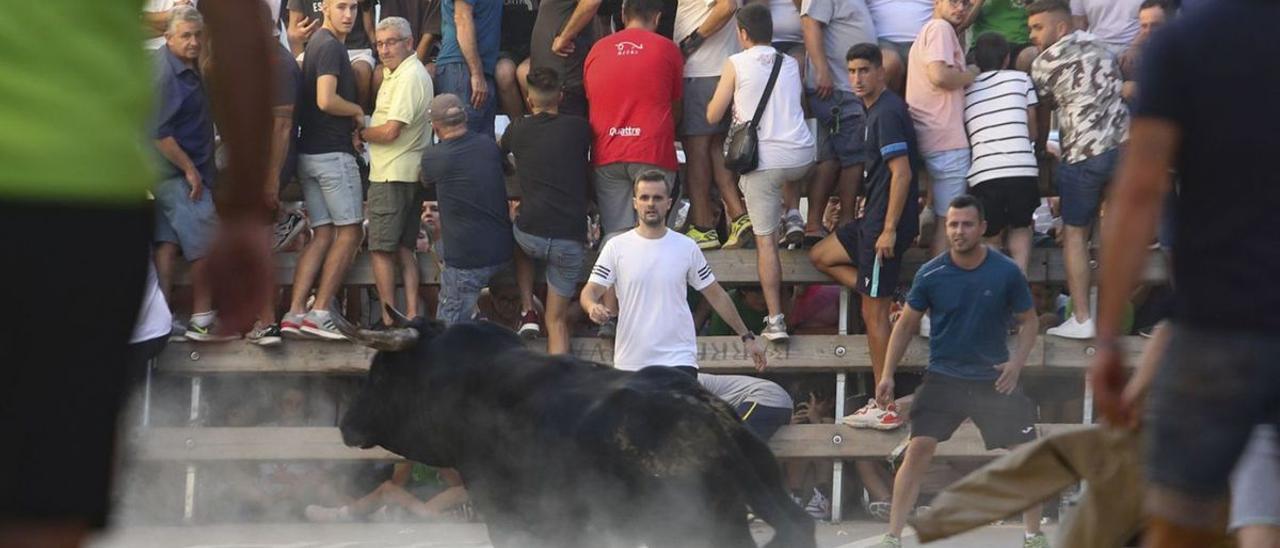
pixel 760 478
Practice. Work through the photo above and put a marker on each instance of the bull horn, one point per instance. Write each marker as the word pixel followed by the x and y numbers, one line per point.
pixel 397 319
pixel 391 340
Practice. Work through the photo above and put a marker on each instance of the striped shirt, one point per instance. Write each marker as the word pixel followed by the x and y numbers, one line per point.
pixel 995 118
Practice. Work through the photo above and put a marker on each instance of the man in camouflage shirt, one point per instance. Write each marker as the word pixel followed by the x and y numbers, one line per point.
pixel 1077 73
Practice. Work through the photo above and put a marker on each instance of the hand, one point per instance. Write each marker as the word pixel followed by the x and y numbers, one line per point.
pixel 479 91
pixel 600 313
pixel 801 413
pixel 824 85
pixel 358 121
pixel 1106 375
pixel 356 142
pixel 884 391
pixel 239 265
pixel 562 46
pixel 196 182
pixel 885 244
pixel 757 355
pixel 301 31
pixel 1008 380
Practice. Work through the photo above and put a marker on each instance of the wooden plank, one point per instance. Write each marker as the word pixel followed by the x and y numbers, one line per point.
pixel 1156 270
pixel 731 267
pixel 805 353
pixel 824 441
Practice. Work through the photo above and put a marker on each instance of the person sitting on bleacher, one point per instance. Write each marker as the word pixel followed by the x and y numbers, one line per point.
pixel 466 169
pixel 552 153
pixel 970 292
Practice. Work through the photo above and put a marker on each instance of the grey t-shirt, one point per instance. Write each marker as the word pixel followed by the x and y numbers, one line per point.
pixel 844 24
pixel 552 17
pixel 738 389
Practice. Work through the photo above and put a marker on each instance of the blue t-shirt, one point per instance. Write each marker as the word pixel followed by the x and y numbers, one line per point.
pixel 969 313
pixel 488 22
pixel 467 174
pixel 184 114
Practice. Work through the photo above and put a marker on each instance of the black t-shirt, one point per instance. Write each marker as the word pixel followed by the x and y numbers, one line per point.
pixel 889 134
pixel 314 9
pixel 1228 222
pixel 467 174
pixel 518 18
pixel 322 132
pixel 552 17
pixel 551 153
pixel 285 94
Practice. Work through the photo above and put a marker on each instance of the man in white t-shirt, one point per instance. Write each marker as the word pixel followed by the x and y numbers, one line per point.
pixel 650 267
pixel 1115 22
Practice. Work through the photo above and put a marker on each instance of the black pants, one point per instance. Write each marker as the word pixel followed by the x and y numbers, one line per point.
pixel 71 290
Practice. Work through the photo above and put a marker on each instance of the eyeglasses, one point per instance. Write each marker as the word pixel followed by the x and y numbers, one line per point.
pixel 388 42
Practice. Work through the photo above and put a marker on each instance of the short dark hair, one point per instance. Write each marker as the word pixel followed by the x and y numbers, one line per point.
pixel 990 51
pixel 543 81
pixel 757 21
pixel 632 9
pixel 1162 4
pixel 868 52
pixel 652 176
pixel 1048 6
pixel 967 200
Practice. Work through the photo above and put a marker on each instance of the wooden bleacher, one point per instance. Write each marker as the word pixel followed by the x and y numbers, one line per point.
pixel 838 354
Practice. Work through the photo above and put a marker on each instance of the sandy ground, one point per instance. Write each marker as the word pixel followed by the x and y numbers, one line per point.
pixel 851 534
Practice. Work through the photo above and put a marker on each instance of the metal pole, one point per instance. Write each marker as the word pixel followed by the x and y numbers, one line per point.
pixel 837 466
pixel 146 394
pixel 189 497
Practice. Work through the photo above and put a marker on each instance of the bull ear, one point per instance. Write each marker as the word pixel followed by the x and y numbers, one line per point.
pixel 391 340
pixel 397 319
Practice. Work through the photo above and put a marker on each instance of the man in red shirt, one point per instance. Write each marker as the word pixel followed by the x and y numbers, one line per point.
pixel 633 119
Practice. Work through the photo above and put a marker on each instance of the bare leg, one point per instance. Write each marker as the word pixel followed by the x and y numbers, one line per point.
pixel 875 314
pixel 364 84
pixel 522 77
pixel 1031 519
pixel 1162 533
pixel 850 180
pixel 377 84
pixel 309 261
pixel 1076 255
pixel 166 261
pixel 1019 242
pixel 906 485
pixel 895 69
pixel 726 181
pixel 336 263
pixel 384 280
pixel 939 236
pixel 409 269
pixel 872 476
pixel 830 257
pixel 504 74
pixel 43 534
pixel 524 279
pixel 1259 536
pixel 557 322
pixel 201 288
pixel 820 187
pixel 698 179
pixel 769 267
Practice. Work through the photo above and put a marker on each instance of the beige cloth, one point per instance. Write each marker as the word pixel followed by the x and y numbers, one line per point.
pixel 1109 513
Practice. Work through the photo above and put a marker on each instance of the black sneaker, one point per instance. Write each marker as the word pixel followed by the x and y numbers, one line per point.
pixel 608 330
pixel 265 335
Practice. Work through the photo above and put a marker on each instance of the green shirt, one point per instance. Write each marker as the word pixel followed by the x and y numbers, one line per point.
pixel 74 98
pixel 1006 17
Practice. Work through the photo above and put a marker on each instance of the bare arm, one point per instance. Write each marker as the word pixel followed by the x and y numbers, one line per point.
pixel 1033 126
pixel 822 77
pixel 384 133
pixel 906 328
pixel 169 148
pixel 1011 371
pixel 721 13
pixel 590 298
pixel 330 102
pixel 581 17
pixel 424 46
pixel 299 31
pixel 899 184
pixel 281 134
pixel 974 11
pixel 723 96
pixel 948 77
pixel 154 23
pixel 465 24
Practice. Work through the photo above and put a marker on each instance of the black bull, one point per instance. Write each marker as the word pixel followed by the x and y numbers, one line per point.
pixel 560 452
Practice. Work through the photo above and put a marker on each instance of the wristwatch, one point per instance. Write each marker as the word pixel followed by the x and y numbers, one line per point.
pixel 749 337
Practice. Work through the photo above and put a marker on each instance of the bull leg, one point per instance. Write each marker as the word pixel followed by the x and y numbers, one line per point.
pixel 765 491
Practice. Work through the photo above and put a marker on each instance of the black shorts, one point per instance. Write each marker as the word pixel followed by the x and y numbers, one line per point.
pixel 943 402
pixel 763 419
pixel 73 271
pixel 874 280
pixel 1009 203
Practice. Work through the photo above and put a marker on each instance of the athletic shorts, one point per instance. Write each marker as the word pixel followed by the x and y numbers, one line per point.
pixel 697 94
pixel 763 420
pixel 395 215
pixel 1213 387
pixel 942 403
pixel 877 277
pixel 1008 203
pixel 75 269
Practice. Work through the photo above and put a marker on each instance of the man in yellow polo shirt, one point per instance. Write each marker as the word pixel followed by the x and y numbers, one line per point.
pixel 75 225
pixel 398 134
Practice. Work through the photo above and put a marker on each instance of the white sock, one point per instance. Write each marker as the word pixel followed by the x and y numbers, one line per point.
pixel 203 319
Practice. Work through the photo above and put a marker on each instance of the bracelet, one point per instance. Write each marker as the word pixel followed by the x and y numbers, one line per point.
pixel 749 337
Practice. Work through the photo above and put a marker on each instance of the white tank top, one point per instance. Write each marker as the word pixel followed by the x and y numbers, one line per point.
pixel 785 140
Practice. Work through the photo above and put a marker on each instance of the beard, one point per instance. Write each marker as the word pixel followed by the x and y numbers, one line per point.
pixel 653 221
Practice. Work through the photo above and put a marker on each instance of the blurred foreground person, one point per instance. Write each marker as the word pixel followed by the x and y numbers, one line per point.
pixel 76 171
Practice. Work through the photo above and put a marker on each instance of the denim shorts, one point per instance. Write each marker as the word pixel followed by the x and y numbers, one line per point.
pixel 331 188
pixel 1255 484
pixel 949 170
pixel 1212 388
pixel 697 94
pixel 841 127
pixel 1081 186
pixel 189 224
pixel 455 78
pixel 564 259
pixel 460 290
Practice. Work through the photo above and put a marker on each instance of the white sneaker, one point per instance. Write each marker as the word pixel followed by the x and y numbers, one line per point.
pixel 925 327
pixel 873 416
pixel 1074 329
pixel 321 514
pixel 775 329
